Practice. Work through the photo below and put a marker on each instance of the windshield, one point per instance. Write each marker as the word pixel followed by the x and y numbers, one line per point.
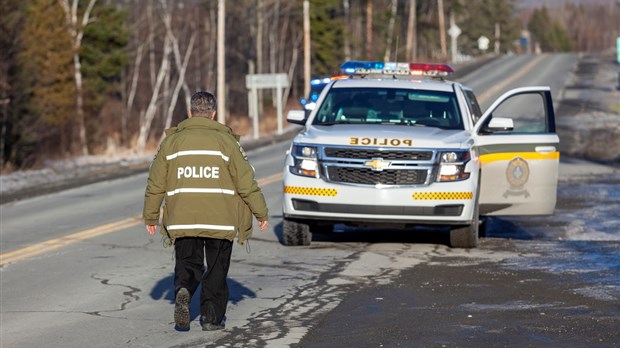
pixel 389 106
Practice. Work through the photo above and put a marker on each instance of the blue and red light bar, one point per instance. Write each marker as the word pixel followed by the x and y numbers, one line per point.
pixel 395 68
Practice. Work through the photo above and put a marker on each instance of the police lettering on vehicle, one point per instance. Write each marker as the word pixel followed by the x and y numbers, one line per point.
pixel 380 141
pixel 198 172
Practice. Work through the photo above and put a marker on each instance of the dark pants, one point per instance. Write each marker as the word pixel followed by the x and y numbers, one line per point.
pixel 189 270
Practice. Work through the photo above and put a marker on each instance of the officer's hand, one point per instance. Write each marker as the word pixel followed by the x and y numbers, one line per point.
pixel 151 229
pixel 263 224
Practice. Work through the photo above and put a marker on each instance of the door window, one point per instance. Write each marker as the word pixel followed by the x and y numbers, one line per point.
pixel 527 111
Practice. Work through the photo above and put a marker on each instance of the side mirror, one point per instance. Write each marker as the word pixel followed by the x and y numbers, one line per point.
pixel 499 124
pixel 309 106
pixel 296 116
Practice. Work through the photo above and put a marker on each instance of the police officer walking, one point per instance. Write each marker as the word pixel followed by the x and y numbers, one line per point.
pixel 210 196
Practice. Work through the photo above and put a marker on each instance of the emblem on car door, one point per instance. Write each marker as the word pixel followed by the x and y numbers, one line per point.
pixel 517 174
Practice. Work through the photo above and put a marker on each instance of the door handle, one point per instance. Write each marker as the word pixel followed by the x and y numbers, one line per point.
pixel 545 149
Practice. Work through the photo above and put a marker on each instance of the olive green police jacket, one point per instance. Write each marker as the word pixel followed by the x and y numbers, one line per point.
pixel 208 185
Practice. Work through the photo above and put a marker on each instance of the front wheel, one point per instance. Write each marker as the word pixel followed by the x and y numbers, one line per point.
pixel 466 236
pixel 296 233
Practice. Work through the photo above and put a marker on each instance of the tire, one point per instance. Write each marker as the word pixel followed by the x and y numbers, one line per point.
pixel 295 233
pixel 466 236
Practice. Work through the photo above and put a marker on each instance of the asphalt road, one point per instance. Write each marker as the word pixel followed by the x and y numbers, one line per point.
pixel 79 270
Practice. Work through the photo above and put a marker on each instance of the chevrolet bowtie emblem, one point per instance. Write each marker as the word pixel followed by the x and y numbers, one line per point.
pixel 377 164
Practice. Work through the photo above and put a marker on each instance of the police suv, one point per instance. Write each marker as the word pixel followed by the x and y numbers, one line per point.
pixel 396 144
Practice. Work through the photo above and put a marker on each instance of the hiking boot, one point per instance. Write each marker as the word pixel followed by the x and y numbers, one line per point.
pixel 181 309
pixel 209 320
pixel 210 326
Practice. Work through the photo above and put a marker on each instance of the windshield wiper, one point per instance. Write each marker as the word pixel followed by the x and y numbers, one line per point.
pixel 333 123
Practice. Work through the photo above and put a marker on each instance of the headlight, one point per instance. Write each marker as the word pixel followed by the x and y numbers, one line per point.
pixel 304 161
pixel 452 166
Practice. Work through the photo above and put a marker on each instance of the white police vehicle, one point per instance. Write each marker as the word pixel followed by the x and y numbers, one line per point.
pixel 316 87
pixel 397 145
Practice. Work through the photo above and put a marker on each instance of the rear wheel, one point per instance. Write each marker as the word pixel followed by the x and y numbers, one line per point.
pixel 296 233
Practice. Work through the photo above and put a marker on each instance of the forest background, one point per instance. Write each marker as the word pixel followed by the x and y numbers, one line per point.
pixel 90 77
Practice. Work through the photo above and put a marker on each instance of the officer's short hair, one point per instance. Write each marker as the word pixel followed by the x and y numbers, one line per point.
pixel 203 104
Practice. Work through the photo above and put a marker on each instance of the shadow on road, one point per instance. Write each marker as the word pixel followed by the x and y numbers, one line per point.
pixel 495 227
pixel 164 290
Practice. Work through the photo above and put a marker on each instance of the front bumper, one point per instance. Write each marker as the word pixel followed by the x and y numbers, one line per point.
pixel 438 203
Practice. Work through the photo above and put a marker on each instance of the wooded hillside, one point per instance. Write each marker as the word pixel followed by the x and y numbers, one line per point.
pixel 82 77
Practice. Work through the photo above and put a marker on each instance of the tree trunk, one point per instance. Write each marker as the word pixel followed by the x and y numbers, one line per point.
pixel 134 83
pixel 412 42
pixel 151 44
pixel 79 105
pixel 145 126
pixel 221 62
pixel 291 68
pixel 347 29
pixel 259 48
pixel 442 30
pixel 388 45
pixel 307 67
pixel 76 30
pixel 180 82
pixel 369 52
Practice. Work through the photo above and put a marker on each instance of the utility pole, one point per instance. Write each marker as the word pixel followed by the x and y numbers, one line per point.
pixel 442 30
pixel 260 21
pixel 221 63
pixel 412 44
pixel 497 36
pixel 306 48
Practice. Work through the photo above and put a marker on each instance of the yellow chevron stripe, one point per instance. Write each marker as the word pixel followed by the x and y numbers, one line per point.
pixel 442 195
pixel 310 191
pixel 507 156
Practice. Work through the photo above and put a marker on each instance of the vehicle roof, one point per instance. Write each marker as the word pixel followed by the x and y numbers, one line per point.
pixel 389 82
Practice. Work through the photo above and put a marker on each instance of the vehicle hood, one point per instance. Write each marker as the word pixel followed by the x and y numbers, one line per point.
pixel 385 136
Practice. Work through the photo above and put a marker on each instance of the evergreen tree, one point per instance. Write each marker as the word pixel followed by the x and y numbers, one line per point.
pixel 479 18
pixel 550 34
pixel 46 78
pixel 104 57
pixel 11 24
pixel 327 21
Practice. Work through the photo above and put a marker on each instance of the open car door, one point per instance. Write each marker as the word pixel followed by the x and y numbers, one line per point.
pixel 518 150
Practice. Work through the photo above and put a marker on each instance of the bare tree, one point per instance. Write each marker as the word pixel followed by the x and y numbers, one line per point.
pixel 388 45
pixel 164 68
pixel 180 82
pixel 369 15
pixel 76 30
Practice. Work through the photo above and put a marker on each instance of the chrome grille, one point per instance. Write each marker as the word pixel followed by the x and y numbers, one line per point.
pixel 370 153
pixel 367 176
